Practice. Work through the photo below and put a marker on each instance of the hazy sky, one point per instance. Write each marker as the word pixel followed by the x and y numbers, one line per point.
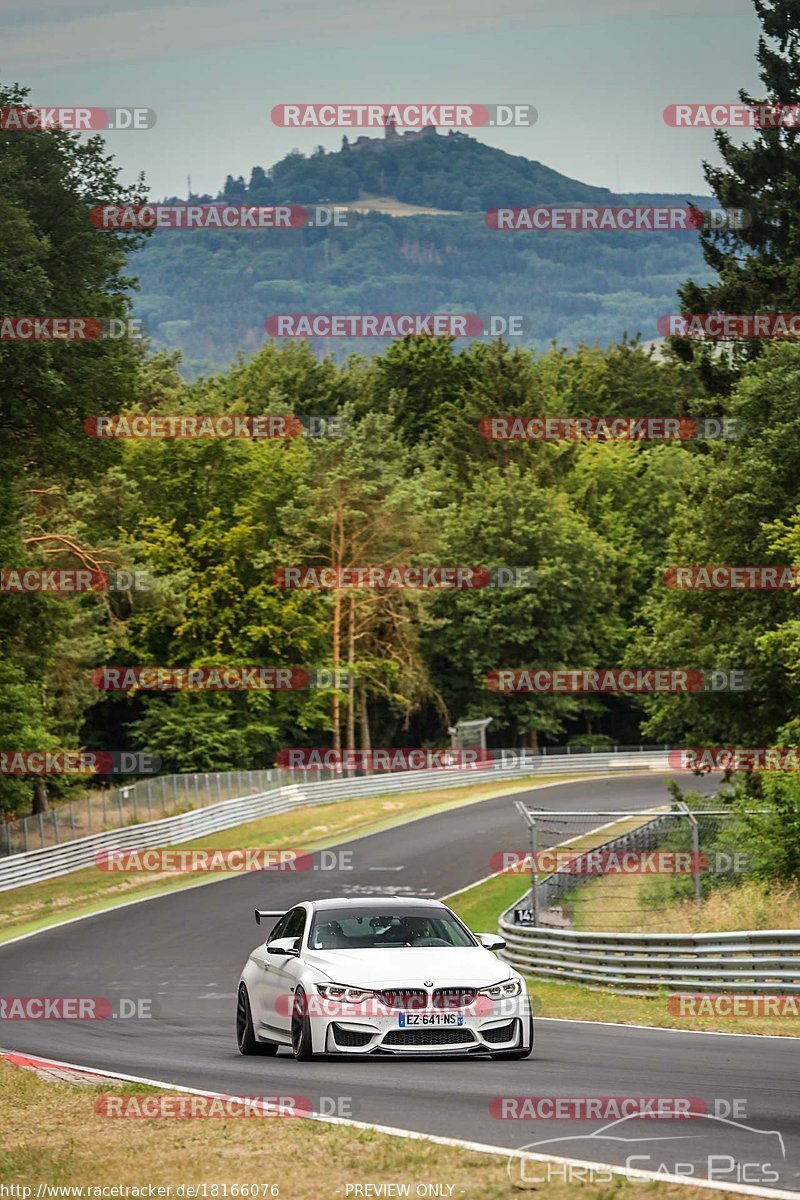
pixel 599 72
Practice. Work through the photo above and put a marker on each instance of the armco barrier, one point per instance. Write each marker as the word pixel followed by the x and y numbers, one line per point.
pixel 643 963
pixel 37 865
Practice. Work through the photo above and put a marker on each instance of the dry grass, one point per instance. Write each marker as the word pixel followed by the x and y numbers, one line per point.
pixel 51 1135
pixel 617 902
pixel 396 208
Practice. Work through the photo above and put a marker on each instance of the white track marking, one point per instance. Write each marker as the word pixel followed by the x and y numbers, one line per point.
pixel 460 1143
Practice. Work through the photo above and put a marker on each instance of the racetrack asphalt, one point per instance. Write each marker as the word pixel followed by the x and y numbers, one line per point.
pixel 184 951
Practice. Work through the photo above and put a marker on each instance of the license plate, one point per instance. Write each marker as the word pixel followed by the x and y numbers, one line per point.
pixel 429 1019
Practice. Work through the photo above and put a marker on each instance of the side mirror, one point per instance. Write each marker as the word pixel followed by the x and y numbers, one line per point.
pixel 285 946
pixel 491 941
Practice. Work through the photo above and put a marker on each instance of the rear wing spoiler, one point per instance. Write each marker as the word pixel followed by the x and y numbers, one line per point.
pixel 269 912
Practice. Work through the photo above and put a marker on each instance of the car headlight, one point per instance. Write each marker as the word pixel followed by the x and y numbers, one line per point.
pixel 498 991
pixel 340 991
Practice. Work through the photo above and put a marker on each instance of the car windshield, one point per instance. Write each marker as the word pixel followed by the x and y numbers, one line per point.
pixel 373 929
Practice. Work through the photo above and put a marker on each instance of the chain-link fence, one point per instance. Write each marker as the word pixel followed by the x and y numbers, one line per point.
pixel 144 800
pixel 627 872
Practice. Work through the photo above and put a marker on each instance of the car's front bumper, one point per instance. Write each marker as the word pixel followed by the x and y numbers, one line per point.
pixel 508 1027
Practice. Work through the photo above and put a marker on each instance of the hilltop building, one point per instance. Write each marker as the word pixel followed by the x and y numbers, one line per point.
pixel 392 136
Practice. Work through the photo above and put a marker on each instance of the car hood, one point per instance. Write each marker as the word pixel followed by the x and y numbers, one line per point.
pixel 467 965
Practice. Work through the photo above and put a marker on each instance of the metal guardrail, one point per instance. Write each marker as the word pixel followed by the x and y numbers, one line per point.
pixel 36 865
pixel 751 961
pixel 642 963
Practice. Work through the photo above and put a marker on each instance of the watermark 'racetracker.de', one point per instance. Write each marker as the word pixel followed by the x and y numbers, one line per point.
pixel 240 426
pixel 734 758
pixel 613 680
pixel 729 327
pixel 25 119
pixel 732 116
pixel 410 115
pixel 70 329
pixel 581 218
pixel 395 325
pixel 78 762
pixel 390 577
pixel 231 678
pixel 728 578
pixel 71 580
pixel 217 216
pixel 604 429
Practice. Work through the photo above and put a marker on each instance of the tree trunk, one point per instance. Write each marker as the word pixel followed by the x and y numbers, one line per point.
pixel 533 740
pixel 351 679
pixel 337 657
pixel 40 799
pixel 366 736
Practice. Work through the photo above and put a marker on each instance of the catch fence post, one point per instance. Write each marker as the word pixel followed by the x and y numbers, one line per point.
pixel 534 873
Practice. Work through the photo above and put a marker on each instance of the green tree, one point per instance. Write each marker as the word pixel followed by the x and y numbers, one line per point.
pixel 735 512
pixel 54 263
pixel 363 505
pixel 563 616
pixel 758 267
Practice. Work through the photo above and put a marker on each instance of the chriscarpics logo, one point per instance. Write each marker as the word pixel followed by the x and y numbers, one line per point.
pixel 716 1146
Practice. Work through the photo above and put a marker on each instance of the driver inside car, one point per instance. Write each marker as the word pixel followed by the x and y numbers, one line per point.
pixel 413 930
pixel 422 930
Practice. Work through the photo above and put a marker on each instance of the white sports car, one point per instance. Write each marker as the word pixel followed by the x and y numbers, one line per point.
pixel 380 976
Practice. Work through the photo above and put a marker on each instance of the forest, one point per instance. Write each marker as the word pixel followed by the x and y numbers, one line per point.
pixel 389 464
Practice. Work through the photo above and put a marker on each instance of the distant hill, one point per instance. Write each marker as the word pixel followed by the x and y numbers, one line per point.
pixel 209 292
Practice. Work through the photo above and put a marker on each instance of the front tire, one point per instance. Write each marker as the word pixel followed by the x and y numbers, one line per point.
pixel 245 1034
pixel 301 1028
pixel 522 1052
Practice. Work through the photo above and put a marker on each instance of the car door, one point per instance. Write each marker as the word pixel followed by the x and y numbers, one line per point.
pixel 281 972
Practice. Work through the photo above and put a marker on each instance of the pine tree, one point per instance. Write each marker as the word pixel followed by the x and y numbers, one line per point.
pixel 758 266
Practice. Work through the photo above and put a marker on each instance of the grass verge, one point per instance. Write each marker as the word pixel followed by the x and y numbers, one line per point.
pixel 25 909
pixel 52 1136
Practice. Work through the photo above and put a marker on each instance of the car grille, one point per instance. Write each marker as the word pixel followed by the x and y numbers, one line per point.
pixel 501 1033
pixel 409 998
pixel 453 997
pixel 351 1037
pixel 427 1037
